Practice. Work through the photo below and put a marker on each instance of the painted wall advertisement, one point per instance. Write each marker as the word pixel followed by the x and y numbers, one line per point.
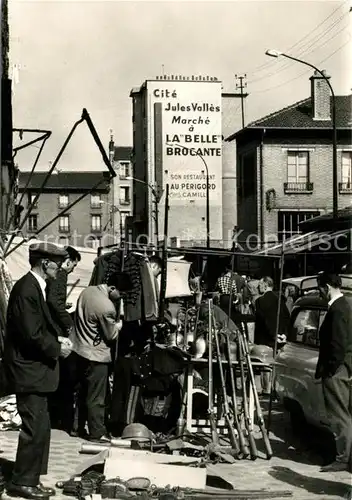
pixel 187 138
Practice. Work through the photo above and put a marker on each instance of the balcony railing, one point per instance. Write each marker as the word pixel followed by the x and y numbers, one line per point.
pixel 298 187
pixel 345 187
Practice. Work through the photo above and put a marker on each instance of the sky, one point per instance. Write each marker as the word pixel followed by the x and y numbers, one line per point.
pixel 66 56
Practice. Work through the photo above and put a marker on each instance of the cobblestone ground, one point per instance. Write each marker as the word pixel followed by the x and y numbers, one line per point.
pixel 294 467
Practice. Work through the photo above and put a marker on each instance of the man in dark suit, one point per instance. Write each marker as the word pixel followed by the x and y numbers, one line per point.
pixel 335 368
pixel 56 292
pixel 61 402
pixel 32 348
pixel 266 309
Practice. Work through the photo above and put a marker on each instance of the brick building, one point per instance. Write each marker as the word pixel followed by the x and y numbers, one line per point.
pixel 284 166
pixel 121 198
pixel 85 224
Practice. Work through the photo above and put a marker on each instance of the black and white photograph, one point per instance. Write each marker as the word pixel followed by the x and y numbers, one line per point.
pixel 175 250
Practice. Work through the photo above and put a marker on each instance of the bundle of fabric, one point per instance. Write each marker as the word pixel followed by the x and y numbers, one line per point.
pixel 9 417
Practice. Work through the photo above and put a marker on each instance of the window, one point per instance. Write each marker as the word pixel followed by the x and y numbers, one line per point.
pixel 123 216
pixel 298 171
pixel 94 242
pixel 124 195
pixel 96 223
pixel 305 329
pixel 346 171
pixel 63 200
pixel 64 223
pixel 297 166
pixel 288 223
pixel 33 222
pixel 32 197
pixel 124 169
pixel 95 201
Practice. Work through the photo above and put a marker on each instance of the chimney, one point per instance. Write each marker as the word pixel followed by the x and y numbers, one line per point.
pixel 320 96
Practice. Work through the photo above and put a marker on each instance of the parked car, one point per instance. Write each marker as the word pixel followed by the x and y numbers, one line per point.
pixel 296 362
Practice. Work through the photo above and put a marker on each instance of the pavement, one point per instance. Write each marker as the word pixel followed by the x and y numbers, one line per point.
pixel 294 467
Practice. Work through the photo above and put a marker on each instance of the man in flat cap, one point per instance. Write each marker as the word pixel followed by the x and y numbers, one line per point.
pixel 32 348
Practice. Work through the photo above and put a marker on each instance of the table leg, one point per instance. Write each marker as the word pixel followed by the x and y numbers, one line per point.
pixel 189 389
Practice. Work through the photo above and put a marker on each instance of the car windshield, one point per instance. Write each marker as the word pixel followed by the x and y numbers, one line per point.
pixel 305 328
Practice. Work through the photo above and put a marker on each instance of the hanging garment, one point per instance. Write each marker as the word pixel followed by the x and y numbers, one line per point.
pixel 150 297
pixel 100 269
pixel 133 299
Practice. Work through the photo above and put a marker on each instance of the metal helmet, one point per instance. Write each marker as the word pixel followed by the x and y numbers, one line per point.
pixel 262 352
pixel 137 432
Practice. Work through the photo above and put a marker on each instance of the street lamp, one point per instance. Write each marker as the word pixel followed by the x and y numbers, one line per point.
pixel 276 53
pixel 207 216
pixel 113 210
pixel 157 198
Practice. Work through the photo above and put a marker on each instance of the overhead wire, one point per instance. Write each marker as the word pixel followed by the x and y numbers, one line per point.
pixel 304 73
pixel 300 53
pixel 266 64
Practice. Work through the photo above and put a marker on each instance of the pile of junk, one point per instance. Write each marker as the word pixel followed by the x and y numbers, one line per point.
pixel 156 455
pixel 175 469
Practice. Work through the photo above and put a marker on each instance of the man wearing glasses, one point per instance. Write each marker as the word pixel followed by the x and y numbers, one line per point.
pixel 33 346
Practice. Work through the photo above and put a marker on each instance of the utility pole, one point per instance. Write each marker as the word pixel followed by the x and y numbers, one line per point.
pixel 239 95
pixel 241 86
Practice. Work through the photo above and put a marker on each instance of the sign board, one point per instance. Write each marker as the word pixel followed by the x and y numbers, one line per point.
pixel 184 144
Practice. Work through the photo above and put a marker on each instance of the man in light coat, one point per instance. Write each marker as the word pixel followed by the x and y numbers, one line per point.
pixel 97 324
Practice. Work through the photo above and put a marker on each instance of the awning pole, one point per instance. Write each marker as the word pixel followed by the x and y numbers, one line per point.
pixel 45 138
pixel 272 384
pixel 33 203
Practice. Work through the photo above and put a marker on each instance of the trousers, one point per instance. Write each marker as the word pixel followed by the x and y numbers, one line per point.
pixel 337 391
pixel 93 382
pixel 34 440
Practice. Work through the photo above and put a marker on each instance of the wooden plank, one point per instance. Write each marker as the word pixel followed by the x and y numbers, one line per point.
pixel 161 475
pixel 148 456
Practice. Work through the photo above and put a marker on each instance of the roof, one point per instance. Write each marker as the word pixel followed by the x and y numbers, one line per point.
pixel 123 153
pixel 299 116
pixel 306 242
pixel 328 222
pixel 65 181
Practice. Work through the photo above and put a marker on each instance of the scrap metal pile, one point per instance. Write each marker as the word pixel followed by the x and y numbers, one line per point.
pixel 230 352
pixel 94 485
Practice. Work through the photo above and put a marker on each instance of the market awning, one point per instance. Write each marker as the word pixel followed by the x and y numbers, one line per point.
pixel 326 240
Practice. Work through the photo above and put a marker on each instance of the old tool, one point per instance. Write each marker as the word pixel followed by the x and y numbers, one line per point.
pixel 236 419
pixel 268 449
pixel 232 434
pixel 211 415
pixel 247 418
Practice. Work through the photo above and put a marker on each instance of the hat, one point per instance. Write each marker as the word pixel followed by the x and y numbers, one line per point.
pixel 48 251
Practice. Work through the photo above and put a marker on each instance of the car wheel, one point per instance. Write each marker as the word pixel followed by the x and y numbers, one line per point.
pixel 298 421
pixel 297 418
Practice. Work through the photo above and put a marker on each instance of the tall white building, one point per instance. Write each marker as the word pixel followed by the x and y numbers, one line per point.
pixel 177 138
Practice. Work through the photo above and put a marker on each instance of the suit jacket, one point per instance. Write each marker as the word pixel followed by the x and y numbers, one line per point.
pixel 31 344
pixel 266 308
pixel 56 295
pixel 335 339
